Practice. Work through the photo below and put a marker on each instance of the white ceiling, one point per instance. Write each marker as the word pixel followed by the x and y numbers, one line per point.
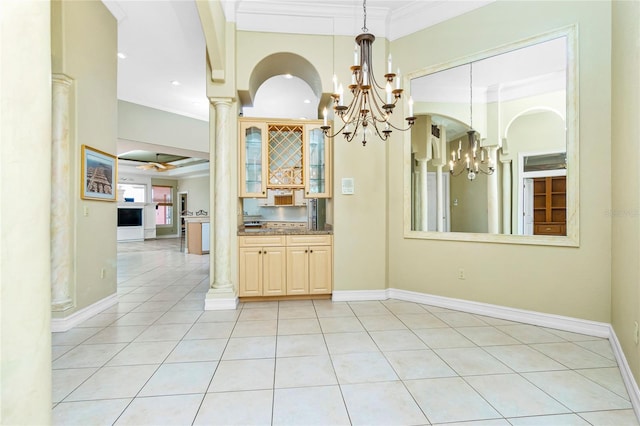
pixel 163 40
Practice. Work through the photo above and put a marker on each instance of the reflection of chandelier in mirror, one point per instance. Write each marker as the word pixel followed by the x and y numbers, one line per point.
pixel 476 159
pixel 367 108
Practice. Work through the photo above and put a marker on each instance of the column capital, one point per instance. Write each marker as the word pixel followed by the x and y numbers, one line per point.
pixel 220 101
pixel 61 79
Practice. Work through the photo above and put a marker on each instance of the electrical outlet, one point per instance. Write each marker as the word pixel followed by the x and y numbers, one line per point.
pixel 636 332
pixel 103 273
pixel 85 211
pixel 461 275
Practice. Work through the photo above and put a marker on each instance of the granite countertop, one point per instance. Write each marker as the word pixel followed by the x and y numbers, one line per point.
pixel 283 231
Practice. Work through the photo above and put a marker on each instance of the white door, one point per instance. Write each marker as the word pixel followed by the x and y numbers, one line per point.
pixel 527 206
pixel 433 201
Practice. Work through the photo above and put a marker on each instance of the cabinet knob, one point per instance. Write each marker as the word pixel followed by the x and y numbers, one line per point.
pixel 264 252
pixel 310 251
pixel 305 251
pixel 259 251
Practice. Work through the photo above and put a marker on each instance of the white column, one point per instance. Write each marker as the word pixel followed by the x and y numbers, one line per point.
pixel 493 205
pixel 506 197
pixel 61 196
pixel 424 196
pixel 222 293
pixel 440 200
pixel 25 222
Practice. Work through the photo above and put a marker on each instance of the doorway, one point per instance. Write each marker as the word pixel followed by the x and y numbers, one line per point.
pixel 183 196
pixel 536 168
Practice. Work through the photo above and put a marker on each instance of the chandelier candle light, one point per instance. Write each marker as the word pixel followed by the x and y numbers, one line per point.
pixel 367 108
pixel 470 163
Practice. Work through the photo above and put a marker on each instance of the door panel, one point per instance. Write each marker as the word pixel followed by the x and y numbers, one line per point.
pixel 297 270
pixel 250 272
pixel 274 264
pixel 320 269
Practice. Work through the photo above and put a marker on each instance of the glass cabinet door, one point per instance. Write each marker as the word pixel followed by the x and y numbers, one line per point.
pixel 253 160
pixel 317 160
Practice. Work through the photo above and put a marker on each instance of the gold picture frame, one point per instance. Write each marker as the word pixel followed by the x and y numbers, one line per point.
pixel 98 179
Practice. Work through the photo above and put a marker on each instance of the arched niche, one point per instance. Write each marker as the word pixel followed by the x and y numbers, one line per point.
pixel 280 64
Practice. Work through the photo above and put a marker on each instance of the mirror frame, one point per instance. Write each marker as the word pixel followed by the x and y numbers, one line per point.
pixel 572 126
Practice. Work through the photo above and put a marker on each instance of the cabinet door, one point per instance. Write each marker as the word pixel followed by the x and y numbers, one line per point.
pixel 317 151
pixel 273 271
pixel 250 279
pixel 253 160
pixel 297 270
pixel 320 269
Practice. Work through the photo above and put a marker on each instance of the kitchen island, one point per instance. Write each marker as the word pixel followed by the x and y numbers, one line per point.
pixel 197 234
pixel 285 263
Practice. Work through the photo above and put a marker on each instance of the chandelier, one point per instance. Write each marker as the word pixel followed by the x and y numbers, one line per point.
pixel 476 158
pixel 369 112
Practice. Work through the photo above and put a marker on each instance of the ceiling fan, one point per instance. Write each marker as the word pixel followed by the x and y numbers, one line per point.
pixel 157 165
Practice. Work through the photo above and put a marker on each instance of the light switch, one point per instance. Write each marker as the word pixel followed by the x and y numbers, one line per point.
pixel 347 186
pixel 85 210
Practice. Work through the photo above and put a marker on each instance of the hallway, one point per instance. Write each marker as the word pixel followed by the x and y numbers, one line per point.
pixel 158 358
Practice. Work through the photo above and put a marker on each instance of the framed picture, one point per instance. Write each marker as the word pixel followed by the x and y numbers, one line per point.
pixel 98 179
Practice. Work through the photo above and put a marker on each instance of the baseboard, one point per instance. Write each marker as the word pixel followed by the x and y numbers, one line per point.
pixel 575 325
pixel 67 323
pixel 160 237
pixel 354 295
pixel 625 371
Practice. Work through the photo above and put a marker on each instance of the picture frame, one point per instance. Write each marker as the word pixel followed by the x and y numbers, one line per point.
pixel 98 179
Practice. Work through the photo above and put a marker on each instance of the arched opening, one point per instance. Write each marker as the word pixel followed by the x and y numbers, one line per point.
pixel 284 80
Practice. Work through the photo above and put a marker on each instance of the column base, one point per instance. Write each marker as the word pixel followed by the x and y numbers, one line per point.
pixel 61 305
pixel 220 300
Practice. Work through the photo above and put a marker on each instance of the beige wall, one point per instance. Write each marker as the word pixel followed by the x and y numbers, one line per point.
pixel 359 220
pixel 152 126
pixel 198 193
pixel 84 38
pixel 25 158
pixel 625 206
pixel 565 281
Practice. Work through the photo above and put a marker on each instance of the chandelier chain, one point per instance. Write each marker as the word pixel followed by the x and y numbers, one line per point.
pixel 471 95
pixel 364 13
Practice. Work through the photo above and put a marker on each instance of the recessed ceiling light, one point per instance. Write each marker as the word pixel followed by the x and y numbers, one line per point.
pixel 122 55
pixel 288 76
pixel 175 83
pixel 307 101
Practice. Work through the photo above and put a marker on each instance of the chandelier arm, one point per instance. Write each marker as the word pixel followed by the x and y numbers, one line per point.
pixel 401 129
pixel 356 105
pixel 381 112
pixel 375 82
pixel 386 132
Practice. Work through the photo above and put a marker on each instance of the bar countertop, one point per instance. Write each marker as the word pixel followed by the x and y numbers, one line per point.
pixel 283 231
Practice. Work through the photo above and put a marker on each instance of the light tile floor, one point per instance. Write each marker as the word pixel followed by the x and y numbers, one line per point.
pixel 157 358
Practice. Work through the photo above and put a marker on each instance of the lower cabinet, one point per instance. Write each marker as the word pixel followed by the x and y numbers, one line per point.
pixel 309 264
pixel 262 266
pixel 285 266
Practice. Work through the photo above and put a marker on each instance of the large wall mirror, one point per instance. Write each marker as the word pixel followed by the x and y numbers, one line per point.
pixel 493 155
